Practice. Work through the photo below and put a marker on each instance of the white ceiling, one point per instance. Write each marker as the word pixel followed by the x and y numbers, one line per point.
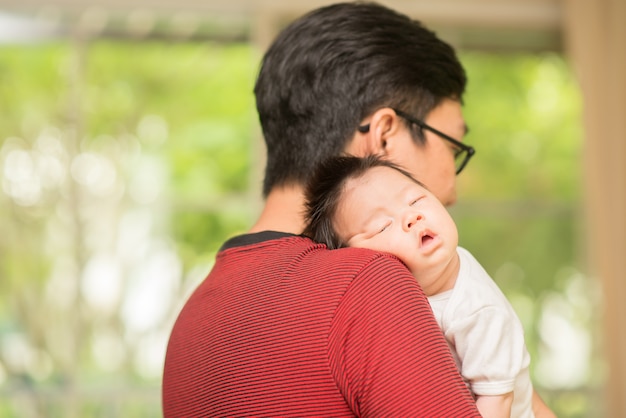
pixel 503 24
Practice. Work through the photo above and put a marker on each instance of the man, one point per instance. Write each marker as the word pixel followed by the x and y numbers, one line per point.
pixel 285 327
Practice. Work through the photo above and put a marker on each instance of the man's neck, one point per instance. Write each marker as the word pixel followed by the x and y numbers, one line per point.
pixel 283 211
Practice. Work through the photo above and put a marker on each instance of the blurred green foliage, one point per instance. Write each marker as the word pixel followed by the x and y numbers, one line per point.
pixel 204 93
pixel 520 198
pixel 520 206
pixel 188 110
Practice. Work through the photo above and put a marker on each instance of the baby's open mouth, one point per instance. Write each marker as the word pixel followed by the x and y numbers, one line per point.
pixel 426 239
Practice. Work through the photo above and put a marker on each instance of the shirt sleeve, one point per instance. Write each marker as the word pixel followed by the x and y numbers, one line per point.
pixel 386 352
pixel 490 346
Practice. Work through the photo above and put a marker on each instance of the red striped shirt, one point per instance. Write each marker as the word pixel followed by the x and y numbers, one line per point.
pixel 285 327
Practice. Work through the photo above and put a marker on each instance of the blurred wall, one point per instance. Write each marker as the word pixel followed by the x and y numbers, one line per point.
pixel 596 42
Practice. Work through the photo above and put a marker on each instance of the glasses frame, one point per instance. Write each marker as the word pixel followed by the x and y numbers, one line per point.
pixel 462 149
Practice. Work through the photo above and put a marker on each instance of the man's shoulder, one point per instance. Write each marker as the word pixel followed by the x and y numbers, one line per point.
pixel 354 256
pixel 272 240
pixel 296 253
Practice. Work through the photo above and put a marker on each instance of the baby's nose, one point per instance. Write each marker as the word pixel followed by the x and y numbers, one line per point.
pixel 412 219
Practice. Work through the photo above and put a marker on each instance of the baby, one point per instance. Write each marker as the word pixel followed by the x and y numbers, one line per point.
pixel 372 203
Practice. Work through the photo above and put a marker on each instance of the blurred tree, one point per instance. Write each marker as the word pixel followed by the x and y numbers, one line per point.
pixel 124 168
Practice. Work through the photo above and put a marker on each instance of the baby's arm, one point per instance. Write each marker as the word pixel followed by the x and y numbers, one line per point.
pixel 540 409
pixel 496 406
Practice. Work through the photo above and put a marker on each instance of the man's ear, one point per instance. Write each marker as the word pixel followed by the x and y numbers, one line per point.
pixel 383 124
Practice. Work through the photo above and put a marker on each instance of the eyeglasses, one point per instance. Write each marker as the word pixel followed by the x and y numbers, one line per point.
pixel 462 152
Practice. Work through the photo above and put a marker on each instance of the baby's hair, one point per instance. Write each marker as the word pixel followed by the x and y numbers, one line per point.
pixel 325 188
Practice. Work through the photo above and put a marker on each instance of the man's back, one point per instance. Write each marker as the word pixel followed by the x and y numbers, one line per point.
pixel 285 327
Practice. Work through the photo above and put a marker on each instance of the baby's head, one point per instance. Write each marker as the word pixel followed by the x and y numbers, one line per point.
pixel 372 203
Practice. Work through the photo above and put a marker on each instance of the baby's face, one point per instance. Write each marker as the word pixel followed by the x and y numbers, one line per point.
pixel 386 211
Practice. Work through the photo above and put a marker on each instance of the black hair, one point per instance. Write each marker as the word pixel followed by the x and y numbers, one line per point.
pixel 329 69
pixel 325 188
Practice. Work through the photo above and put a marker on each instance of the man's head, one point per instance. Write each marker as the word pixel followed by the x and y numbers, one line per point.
pixel 338 65
pixel 372 203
